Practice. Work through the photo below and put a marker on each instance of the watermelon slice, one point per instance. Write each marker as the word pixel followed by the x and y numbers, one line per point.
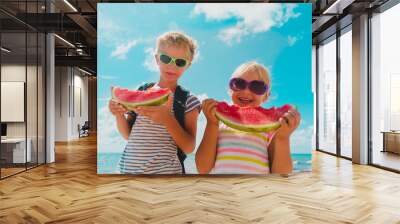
pixel 135 98
pixel 251 119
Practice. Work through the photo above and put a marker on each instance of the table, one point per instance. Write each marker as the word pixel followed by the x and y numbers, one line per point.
pixel 391 141
pixel 18 151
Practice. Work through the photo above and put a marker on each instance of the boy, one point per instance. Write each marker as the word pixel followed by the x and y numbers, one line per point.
pixel 160 136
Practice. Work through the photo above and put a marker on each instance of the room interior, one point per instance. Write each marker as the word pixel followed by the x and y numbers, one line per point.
pixel 49 91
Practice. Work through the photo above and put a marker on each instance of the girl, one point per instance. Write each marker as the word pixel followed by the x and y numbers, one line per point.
pixel 225 150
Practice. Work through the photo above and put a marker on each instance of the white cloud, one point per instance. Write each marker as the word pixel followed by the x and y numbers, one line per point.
pixel 292 40
pixel 150 62
pixel 252 18
pixel 103 99
pixel 111 32
pixel 232 34
pixel 107 77
pixel 122 49
pixel 196 57
pixel 301 140
pixel 174 26
pixel 107 30
pixel 202 97
pixel 109 140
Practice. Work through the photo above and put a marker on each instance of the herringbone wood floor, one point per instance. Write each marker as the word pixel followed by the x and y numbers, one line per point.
pixel 70 191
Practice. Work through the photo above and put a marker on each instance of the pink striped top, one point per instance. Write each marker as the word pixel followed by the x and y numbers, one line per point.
pixel 241 152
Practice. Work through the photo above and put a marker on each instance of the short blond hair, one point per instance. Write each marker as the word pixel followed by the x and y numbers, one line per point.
pixel 178 39
pixel 259 69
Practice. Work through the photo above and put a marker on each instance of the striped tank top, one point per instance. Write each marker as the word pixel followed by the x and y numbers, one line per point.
pixel 241 152
pixel 151 148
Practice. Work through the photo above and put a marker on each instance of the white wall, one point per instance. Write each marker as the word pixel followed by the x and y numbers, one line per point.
pixel 80 89
pixel 70 83
pixel 61 103
pixel 14 73
pixel 33 127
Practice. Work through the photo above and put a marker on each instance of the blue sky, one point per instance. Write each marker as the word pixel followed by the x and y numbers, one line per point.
pixel 276 35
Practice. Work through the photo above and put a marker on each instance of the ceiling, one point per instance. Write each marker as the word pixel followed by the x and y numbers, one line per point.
pixel 76 22
pixel 332 15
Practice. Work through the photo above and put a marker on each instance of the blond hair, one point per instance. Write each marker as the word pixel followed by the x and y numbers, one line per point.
pixel 177 39
pixel 261 71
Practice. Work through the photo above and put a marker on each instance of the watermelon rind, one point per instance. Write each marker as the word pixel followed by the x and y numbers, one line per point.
pixel 153 102
pixel 247 128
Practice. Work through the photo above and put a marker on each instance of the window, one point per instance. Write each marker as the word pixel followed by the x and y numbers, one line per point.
pixel 327 95
pixel 346 93
pixel 22 75
pixel 385 89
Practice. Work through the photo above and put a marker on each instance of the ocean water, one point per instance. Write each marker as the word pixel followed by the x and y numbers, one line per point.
pixel 107 163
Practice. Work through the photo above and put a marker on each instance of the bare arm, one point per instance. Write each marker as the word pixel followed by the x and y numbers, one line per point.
pixel 122 123
pixel 206 153
pixel 184 138
pixel 279 156
pixel 279 148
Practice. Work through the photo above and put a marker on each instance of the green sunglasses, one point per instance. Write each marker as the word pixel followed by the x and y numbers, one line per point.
pixel 166 59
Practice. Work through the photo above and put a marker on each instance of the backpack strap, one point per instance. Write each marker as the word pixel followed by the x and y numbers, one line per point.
pixel 180 97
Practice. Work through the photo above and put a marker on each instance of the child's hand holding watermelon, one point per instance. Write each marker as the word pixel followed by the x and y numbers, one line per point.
pixel 209 107
pixel 289 123
pixel 116 109
pixel 158 114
